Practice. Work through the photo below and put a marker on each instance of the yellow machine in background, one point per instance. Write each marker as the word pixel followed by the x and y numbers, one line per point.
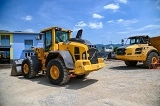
pixel 62 56
pixel 140 49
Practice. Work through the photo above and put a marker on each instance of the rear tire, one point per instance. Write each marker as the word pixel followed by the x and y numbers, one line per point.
pixel 131 63
pixel 57 73
pixel 151 58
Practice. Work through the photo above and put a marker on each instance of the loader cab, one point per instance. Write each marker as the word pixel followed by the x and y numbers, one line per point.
pixel 53 36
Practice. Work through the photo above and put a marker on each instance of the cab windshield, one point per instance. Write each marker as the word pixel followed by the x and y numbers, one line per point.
pixel 61 36
pixel 135 40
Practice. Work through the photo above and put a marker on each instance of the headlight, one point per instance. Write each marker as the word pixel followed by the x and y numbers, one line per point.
pixel 84 57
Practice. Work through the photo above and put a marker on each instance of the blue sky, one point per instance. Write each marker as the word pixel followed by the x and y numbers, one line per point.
pixel 102 21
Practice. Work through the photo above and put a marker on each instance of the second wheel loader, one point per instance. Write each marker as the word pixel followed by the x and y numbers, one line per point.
pixel 62 56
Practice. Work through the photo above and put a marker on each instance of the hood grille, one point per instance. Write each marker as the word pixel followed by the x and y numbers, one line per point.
pixel 121 51
pixel 92 54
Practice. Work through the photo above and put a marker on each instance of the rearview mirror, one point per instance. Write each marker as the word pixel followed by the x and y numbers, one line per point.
pixel 40 35
pixel 122 42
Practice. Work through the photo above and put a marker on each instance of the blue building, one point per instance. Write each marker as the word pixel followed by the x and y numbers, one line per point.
pixel 17 45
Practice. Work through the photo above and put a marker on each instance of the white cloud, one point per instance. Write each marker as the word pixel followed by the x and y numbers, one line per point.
pixel 149 27
pixel 81 24
pixel 139 33
pixel 97 16
pixel 126 22
pixel 113 7
pixel 27 18
pixel 96 25
pixel 29 30
pixel 123 32
pixel 123 22
pixel 120 20
pixel 157 19
pixel 76 29
pixel 110 21
pixel 123 1
pixel 129 28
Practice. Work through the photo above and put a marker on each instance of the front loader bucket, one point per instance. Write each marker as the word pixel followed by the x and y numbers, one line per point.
pixel 16 67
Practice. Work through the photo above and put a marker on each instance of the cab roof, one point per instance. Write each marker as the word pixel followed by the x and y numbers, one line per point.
pixel 138 36
pixel 54 27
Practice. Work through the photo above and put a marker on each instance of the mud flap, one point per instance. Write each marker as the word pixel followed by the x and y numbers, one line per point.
pixel 16 67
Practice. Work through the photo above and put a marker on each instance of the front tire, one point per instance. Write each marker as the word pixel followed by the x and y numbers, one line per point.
pixel 151 59
pixel 131 63
pixel 30 67
pixel 57 73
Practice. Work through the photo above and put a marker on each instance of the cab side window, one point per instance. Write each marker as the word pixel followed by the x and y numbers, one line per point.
pixel 48 40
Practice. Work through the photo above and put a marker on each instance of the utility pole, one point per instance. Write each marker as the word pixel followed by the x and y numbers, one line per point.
pixel 111 42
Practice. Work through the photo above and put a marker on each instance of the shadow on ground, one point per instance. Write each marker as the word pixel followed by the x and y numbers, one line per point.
pixel 5 66
pixel 73 83
pixel 124 68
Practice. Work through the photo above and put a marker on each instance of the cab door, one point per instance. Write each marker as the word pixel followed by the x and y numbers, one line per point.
pixel 49 41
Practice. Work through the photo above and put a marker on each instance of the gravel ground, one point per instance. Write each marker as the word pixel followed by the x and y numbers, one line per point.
pixel 114 85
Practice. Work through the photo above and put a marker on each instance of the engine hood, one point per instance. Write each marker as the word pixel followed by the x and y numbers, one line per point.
pixel 129 46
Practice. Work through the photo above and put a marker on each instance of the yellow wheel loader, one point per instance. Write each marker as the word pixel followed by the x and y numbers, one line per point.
pixel 61 57
pixel 139 49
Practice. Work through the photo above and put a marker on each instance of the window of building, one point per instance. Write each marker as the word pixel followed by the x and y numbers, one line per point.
pixel 4 55
pixel 5 39
pixel 28 44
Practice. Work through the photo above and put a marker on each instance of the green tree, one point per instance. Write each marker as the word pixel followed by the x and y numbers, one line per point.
pixel 115 49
